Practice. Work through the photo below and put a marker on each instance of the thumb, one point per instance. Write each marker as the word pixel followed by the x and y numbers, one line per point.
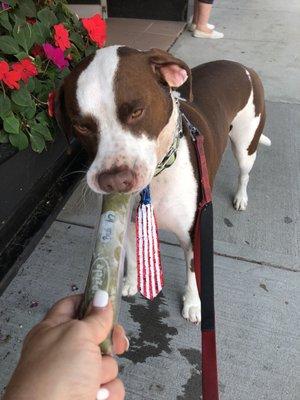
pixel 100 316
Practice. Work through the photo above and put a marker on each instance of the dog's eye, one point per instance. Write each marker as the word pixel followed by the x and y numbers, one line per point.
pixel 137 113
pixel 82 129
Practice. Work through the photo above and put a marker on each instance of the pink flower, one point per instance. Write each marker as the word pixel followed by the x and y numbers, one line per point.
pixel 4 6
pixel 56 55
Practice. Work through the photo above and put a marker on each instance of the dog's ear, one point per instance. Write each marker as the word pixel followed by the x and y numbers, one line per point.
pixel 170 69
pixel 62 116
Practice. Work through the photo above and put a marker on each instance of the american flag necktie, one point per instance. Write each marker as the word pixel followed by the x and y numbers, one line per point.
pixel 150 273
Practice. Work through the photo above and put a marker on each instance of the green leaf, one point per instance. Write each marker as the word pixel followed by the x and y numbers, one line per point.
pixel 8 45
pixel 20 140
pixel 42 129
pixel 3 137
pixel 37 142
pixel 29 112
pixel 47 17
pixel 60 76
pixel 47 134
pixel 27 8
pixel 63 73
pixel 5 105
pixel 21 55
pixel 76 54
pixel 24 35
pixel 77 40
pixel 42 117
pixel 90 50
pixel 40 32
pixel 11 124
pixel 74 20
pixel 51 72
pixel 4 21
pixel 31 84
pixel 44 90
pixel 21 97
pixel 39 63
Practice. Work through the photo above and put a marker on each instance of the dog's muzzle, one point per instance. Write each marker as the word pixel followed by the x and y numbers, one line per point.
pixel 117 180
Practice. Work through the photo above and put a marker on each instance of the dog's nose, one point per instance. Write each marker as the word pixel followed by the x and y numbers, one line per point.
pixel 120 179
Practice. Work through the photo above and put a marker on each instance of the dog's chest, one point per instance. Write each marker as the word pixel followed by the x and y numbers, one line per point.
pixel 174 194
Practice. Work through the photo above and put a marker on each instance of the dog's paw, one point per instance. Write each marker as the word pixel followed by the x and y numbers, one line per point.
pixel 240 202
pixel 129 288
pixel 192 311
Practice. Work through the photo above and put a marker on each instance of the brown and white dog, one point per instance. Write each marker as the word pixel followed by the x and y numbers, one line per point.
pixel 121 105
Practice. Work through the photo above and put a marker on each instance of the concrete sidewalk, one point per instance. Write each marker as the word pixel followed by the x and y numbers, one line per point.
pixel 257 261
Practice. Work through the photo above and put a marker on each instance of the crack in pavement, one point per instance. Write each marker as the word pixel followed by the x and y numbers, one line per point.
pixel 240 258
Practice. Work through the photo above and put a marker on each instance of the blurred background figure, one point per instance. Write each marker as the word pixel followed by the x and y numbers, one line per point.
pixel 200 27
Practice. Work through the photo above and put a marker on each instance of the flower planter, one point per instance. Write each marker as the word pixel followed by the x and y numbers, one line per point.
pixel 29 194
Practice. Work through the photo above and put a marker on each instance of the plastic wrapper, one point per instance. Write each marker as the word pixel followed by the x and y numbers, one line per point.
pixel 107 264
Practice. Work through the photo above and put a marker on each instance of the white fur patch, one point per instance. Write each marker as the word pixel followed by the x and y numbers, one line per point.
pixel 175 205
pixel 249 76
pixel 243 130
pixel 191 302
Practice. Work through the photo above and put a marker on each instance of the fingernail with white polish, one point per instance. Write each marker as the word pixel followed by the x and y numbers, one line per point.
pixel 102 394
pixel 128 343
pixel 100 299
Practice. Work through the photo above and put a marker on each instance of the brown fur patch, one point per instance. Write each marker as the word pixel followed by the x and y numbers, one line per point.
pixel 259 104
pixel 192 265
pixel 90 138
pixel 67 111
pixel 136 86
pixel 221 89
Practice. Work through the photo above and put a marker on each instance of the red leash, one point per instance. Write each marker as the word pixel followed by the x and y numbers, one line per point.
pixel 204 270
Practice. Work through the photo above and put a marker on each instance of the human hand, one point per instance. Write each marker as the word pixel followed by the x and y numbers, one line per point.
pixel 61 358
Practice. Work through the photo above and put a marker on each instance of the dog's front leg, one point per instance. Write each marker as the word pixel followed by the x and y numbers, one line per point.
pixel 130 284
pixel 191 301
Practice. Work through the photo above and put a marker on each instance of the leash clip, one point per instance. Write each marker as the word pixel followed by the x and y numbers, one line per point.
pixel 193 131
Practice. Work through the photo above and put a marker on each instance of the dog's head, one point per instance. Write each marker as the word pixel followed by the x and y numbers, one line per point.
pixel 118 103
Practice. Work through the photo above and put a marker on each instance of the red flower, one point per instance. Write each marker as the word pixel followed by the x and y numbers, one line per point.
pixel 31 21
pixel 61 37
pixel 37 50
pixel 26 68
pixel 50 102
pixel 96 28
pixel 10 78
pixel 4 67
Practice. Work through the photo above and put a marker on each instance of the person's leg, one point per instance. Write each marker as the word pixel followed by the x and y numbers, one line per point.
pixel 203 28
pixel 192 25
pixel 195 16
pixel 203 14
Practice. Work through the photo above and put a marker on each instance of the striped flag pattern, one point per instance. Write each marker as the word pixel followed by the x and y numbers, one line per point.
pixel 150 273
